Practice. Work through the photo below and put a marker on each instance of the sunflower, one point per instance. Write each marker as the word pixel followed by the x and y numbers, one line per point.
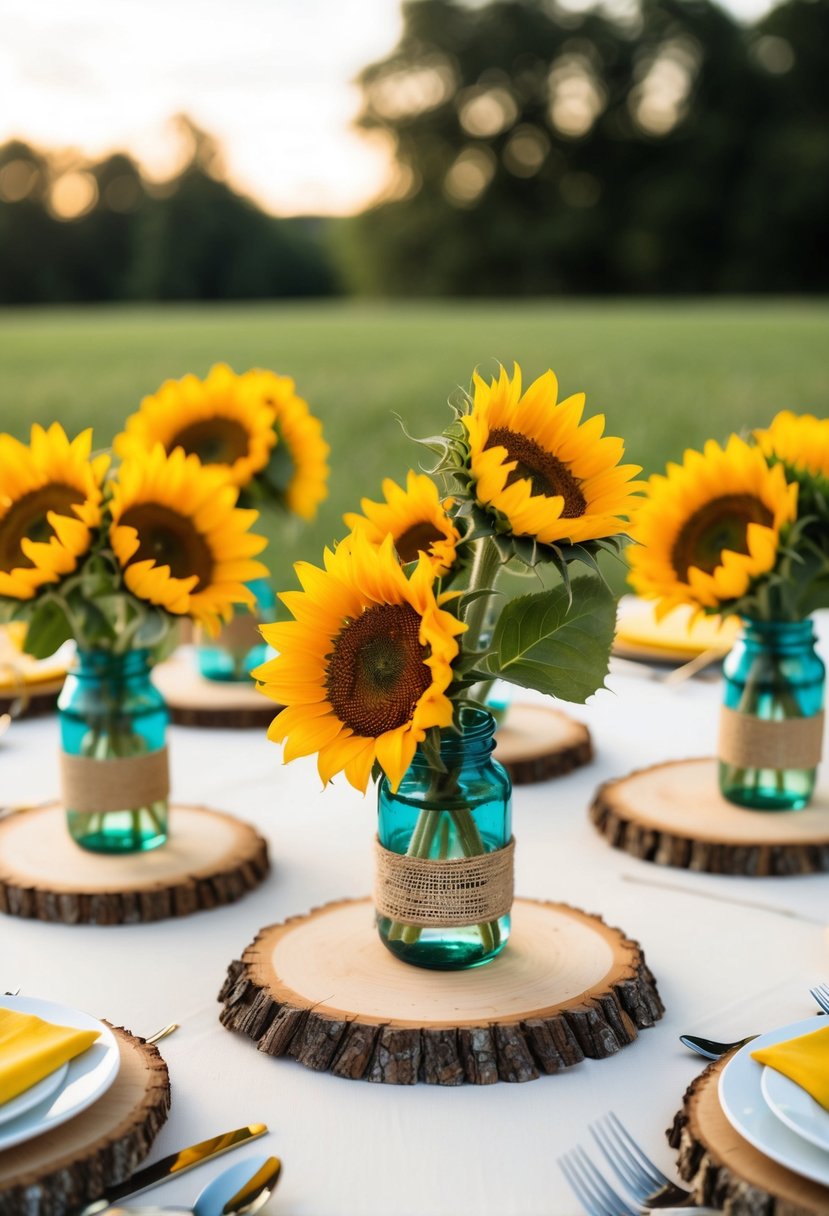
pixel 800 441
pixel 50 503
pixel 534 462
pixel 303 476
pixel 179 538
pixel 710 527
pixel 415 519
pixel 217 419
pixel 364 666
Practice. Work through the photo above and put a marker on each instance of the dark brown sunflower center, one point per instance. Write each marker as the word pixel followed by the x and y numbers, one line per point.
pixel 213 440
pixel 170 539
pixel 377 673
pixel 419 538
pixel 546 473
pixel 26 520
pixel 720 524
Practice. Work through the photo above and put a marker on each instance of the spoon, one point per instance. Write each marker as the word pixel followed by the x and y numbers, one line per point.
pixel 710 1048
pixel 237 1191
pixel 240 1190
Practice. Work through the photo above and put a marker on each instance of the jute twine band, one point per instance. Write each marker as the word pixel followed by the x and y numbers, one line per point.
pixel 94 786
pixel 459 891
pixel 750 742
pixel 239 635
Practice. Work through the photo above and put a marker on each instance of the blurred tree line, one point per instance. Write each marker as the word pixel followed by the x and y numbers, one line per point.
pixel 666 148
pixel 658 147
pixel 102 232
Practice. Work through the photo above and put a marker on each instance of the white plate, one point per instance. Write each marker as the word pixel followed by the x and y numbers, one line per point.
pixel 741 1098
pixel 33 1095
pixel 795 1107
pixel 88 1076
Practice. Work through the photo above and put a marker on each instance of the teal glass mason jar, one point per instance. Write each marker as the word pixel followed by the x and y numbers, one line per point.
pixel 462 817
pixel 239 647
pixel 113 723
pixel 772 719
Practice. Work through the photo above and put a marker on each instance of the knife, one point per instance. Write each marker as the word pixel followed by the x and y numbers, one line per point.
pixel 175 1164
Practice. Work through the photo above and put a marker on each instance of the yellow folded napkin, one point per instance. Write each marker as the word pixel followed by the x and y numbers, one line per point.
pixel 805 1060
pixel 30 1049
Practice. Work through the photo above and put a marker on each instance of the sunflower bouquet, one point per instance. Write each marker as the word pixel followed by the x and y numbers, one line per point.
pixel 252 428
pixel 112 558
pixel 743 530
pixel 256 432
pixel 396 640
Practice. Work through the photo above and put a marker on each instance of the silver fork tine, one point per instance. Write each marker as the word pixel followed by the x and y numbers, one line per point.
pixel 653 1170
pixel 591 1188
pixel 575 1184
pixel 613 1200
pixel 586 1190
pixel 621 1160
pixel 820 995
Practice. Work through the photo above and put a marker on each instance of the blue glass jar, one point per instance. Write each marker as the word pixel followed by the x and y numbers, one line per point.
pixel 110 711
pixel 463 812
pixel 770 732
pixel 239 647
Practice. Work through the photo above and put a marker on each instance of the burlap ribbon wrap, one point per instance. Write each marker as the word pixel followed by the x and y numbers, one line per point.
pixel 459 891
pixel 93 786
pixel 747 741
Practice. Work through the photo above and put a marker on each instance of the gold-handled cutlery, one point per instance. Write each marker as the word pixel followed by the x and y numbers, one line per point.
pixel 174 1165
pixel 253 1194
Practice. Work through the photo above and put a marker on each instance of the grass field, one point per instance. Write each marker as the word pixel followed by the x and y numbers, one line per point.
pixel 666 375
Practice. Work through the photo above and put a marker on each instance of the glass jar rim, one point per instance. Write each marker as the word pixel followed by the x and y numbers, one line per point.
pixel 805 626
pixel 97 659
pixel 471 731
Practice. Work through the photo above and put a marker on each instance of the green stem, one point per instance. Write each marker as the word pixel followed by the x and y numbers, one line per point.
pixel 483 576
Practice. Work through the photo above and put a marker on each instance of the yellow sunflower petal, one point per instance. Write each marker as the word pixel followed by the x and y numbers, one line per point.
pixel 711 526
pixel 365 684
pixel 218 420
pixel 50 503
pixel 174 555
pixel 534 461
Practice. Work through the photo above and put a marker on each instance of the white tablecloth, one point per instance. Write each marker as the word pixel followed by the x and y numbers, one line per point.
pixel 724 968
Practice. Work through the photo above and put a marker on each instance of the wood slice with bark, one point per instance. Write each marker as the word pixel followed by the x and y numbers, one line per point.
pixel 674 815
pixel 323 989
pixel 724 1170
pixel 209 859
pixel 98 1148
pixel 537 742
pixel 221 704
pixel 31 700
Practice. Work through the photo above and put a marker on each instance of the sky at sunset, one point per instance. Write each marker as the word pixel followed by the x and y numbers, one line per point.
pixel 272 79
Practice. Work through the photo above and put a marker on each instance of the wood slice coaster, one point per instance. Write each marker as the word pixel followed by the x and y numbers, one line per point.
pixel 673 814
pixel 536 742
pixel 31 700
pixel 194 701
pixel 724 1170
pixel 103 1145
pixel 210 859
pixel 324 989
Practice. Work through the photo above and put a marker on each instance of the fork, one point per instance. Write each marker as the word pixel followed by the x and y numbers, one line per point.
pixel 598 1197
pixel 820 995
pixel 634 1169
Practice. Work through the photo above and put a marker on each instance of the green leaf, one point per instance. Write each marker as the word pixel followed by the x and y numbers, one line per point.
pixel 556 646
pixel 278 473
pixel 48 629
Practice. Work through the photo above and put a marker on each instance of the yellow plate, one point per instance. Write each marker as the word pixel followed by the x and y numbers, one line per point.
pixel 673 639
